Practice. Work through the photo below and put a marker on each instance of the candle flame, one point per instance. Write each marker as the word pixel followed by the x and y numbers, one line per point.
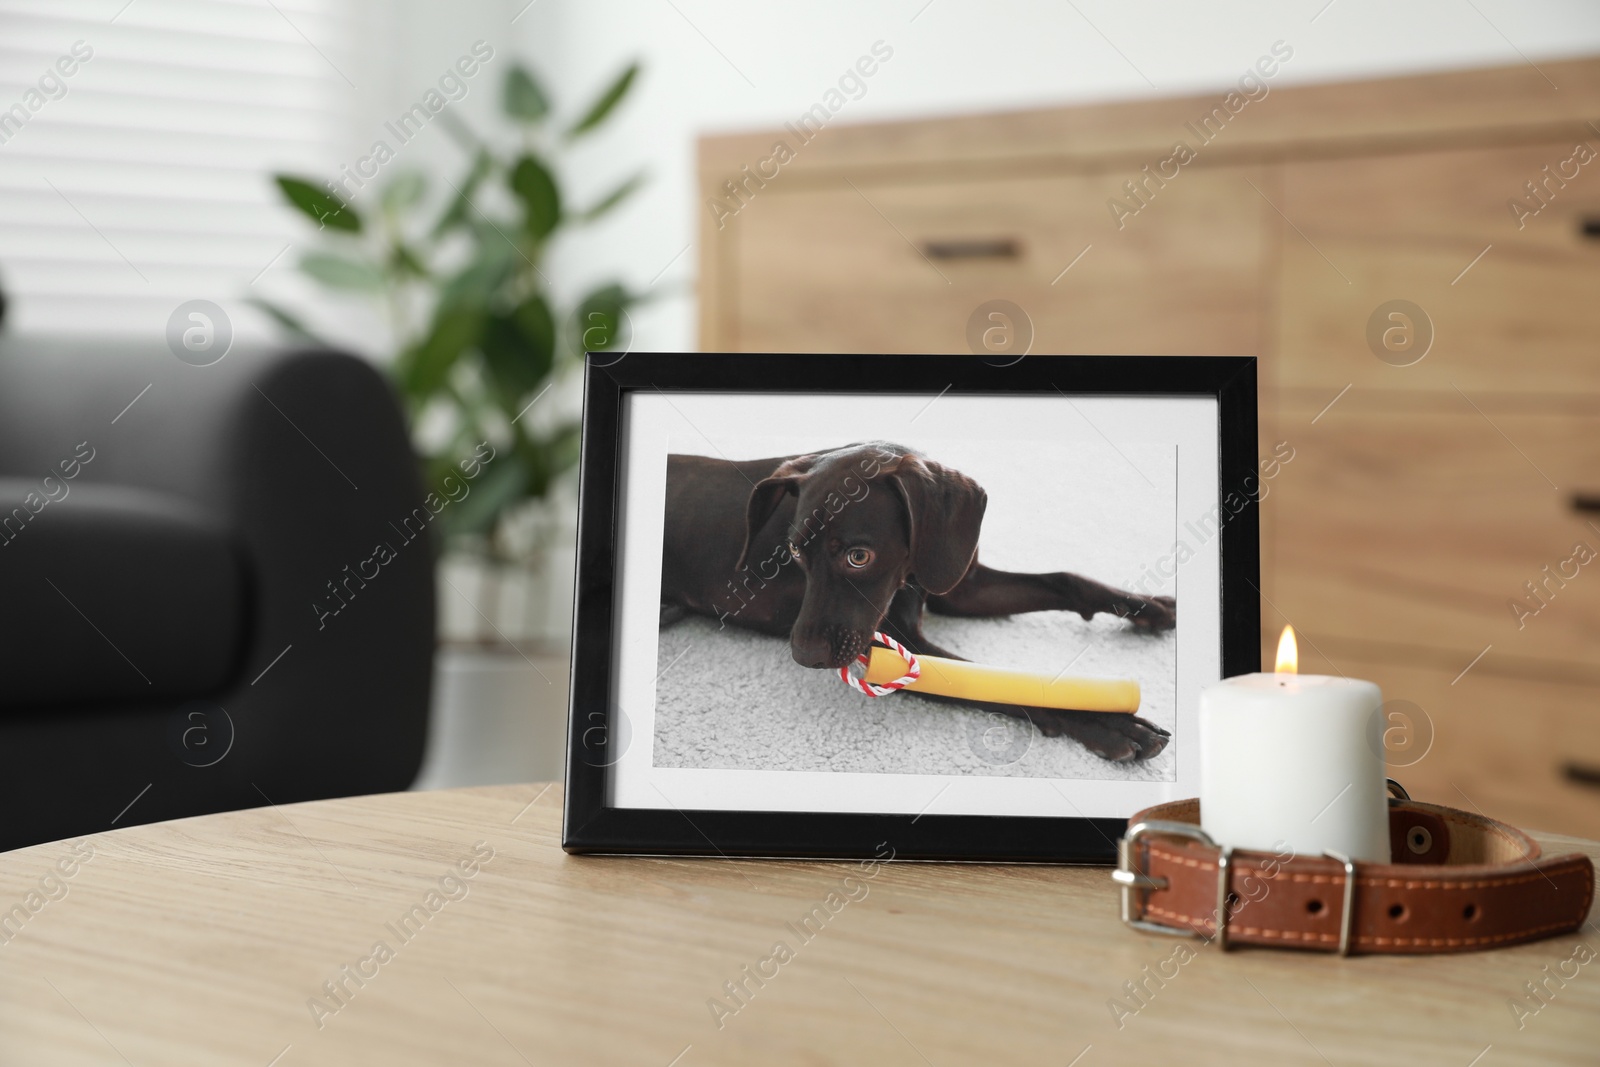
pixel 1288 653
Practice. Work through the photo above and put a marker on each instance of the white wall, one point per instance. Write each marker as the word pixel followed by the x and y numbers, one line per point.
pixel 205 220
pixel 722 65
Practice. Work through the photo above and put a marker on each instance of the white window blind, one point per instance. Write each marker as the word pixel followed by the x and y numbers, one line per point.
pixel 142 179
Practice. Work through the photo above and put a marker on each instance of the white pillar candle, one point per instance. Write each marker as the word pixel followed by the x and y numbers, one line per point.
pixel 1296 760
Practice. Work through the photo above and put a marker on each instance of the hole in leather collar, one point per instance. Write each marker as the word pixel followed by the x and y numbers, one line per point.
pixel 1398 912
pixel 1314 907
pixel 1470 912
pixel 1431 845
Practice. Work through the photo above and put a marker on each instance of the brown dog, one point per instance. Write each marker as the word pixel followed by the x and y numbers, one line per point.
pixel 828 547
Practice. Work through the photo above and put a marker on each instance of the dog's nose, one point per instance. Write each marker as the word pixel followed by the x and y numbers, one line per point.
pixel 812 653
pixel 806 659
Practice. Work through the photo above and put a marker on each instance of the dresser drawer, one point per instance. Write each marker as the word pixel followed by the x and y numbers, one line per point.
pixel 1376 229
pixel 888 266
pixel 1424 525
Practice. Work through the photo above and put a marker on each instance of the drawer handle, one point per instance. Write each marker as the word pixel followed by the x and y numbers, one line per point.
pixel 981 248
pixel 1586 774
pixel 1582 501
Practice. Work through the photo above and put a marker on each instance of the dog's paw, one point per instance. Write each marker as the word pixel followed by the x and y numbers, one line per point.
pixel 1111 736
pixel 1158 614
pixel 1127 739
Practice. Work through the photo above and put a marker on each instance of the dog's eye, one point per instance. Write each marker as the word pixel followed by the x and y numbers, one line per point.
pixel 858 557
pixel 795 552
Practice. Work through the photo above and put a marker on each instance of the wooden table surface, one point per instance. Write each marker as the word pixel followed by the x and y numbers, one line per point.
pixel 210 940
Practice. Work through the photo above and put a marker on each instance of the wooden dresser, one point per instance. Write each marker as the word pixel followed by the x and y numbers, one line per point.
pixel 1425 495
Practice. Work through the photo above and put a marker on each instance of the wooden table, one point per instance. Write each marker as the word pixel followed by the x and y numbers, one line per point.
pixel 208 941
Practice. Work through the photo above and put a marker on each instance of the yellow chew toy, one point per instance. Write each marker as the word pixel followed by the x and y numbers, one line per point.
pixel 972 681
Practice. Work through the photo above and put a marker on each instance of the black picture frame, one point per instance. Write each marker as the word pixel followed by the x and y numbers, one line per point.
pixel 590 825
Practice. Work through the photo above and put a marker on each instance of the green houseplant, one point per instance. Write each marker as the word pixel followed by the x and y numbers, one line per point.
pixel 477 338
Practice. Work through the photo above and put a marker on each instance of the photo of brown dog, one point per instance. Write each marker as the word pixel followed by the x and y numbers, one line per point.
pixel 827 547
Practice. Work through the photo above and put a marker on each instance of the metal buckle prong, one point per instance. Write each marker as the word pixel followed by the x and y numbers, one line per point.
pixel 1133 880
pixel 1347 913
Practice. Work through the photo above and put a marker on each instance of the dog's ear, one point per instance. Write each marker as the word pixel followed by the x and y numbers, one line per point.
pixel 945 511
pixel 767 494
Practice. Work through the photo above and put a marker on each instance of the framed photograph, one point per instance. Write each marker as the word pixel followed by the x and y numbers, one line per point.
pixel 849 606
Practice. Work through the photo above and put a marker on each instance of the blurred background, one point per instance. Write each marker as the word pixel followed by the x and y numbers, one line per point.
pixel 207 201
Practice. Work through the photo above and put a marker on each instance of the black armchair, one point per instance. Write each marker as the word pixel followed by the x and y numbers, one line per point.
pixel 191 616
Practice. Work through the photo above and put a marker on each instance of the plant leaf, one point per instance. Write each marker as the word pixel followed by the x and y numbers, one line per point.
pixel 288 320
pixel 536 187
pixel 601 320
pixel 469 431
pixel 319 206
pixel 407 189
pixel 614 197
pixel 536 322
pixel 461 208
pixel 544 459
pixel 496 489
pixel 519 351
pixel 424 366
pixel 607 100
pixel 523 98
pixel 404 260
pixel 564 446
pixel 339 272
pixel 535 464
pixel 477 282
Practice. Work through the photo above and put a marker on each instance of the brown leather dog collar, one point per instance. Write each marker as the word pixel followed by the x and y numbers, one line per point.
pixel 1457 882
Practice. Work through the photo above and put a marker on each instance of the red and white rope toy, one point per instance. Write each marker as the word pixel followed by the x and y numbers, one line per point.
pixel 913 670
